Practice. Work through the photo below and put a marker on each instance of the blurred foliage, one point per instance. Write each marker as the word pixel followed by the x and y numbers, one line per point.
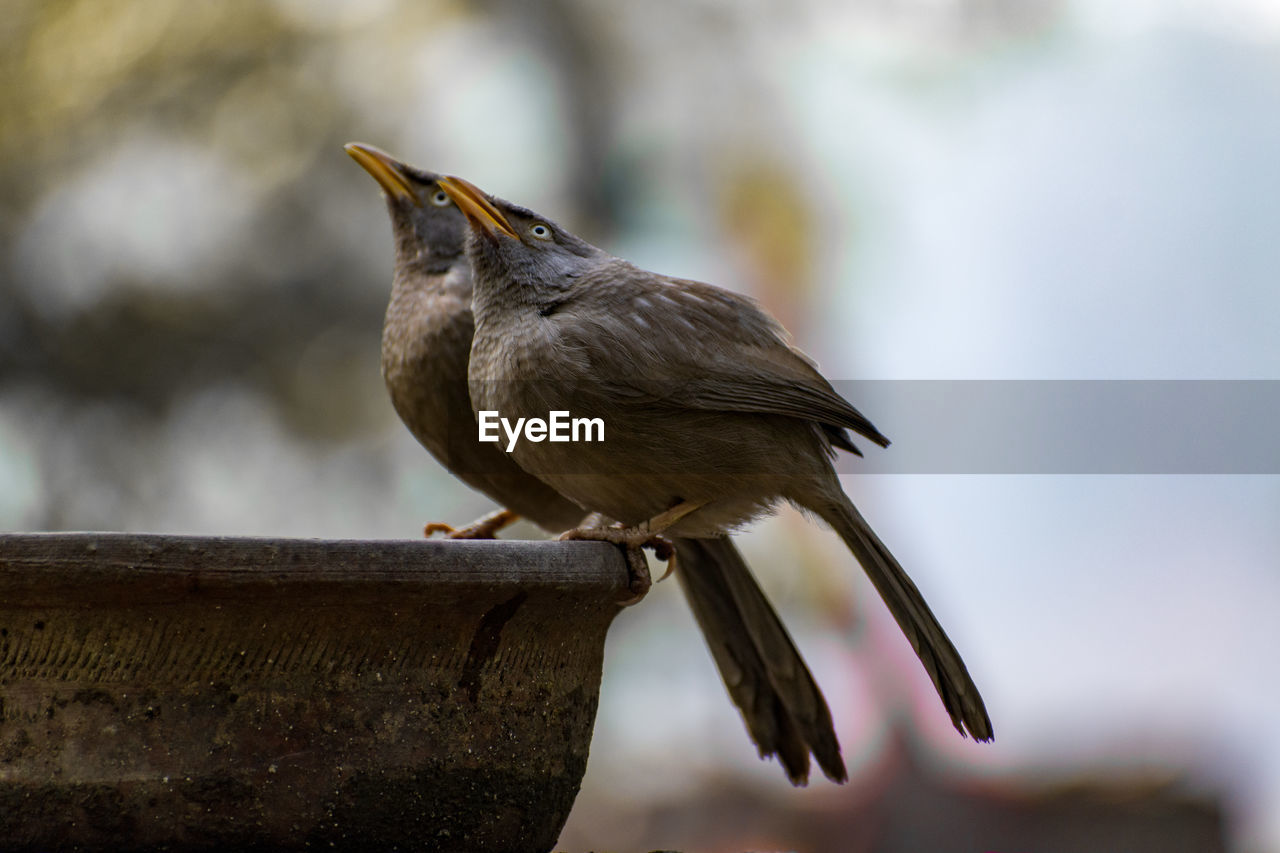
pixel 236 80
pixel 769 216
pixel 173 201
pixel 90 71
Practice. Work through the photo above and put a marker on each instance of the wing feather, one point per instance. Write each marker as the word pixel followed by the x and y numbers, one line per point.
pixel 685 344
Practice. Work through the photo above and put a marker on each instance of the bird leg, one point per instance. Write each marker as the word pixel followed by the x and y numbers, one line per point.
pixel 632 540
pixel 660 522
pixel 647 534
pixel 485 527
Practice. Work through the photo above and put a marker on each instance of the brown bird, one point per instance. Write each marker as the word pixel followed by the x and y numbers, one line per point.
pixel 425 349
pixel 710 416
pixel 426 340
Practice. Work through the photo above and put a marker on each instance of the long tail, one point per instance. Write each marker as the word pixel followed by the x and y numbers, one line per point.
pixel 940 658
pixel 783 707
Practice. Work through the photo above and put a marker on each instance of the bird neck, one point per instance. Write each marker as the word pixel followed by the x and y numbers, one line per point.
pixel 414 257
pixel 498 285
pixel 423 277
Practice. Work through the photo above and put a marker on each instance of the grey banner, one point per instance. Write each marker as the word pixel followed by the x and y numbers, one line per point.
pixel 970 427
pixel 1069 426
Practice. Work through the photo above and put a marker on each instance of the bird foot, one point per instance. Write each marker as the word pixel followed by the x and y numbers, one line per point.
pixel 485 527
pixel 632 540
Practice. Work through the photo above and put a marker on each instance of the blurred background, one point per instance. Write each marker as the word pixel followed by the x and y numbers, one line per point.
pixel 193 277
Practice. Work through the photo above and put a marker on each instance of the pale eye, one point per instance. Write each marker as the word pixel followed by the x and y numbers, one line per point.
pixel 540 232
pixel 440 199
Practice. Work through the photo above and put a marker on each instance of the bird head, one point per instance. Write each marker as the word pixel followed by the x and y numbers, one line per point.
pixel 428 226
pixel 514 247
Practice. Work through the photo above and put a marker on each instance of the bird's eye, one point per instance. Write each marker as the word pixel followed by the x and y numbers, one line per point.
pixel 540 232
pixel 440 199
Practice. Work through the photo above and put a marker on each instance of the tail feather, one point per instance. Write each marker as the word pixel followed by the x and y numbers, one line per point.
pixel 941 660
pixel 783 707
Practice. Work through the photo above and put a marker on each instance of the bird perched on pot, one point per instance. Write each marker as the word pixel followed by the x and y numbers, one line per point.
pixel 426 341
pixel 426 345
pixel 711 417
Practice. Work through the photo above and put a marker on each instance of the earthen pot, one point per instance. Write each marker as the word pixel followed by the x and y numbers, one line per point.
pixel 193 693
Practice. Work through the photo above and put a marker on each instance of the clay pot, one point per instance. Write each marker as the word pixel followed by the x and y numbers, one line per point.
pixel 193 693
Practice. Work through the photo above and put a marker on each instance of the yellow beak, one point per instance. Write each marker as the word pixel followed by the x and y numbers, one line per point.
pixel 471 200
pixel 385 170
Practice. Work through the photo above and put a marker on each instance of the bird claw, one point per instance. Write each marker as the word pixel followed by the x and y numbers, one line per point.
pixel 639 579
pixel 632 541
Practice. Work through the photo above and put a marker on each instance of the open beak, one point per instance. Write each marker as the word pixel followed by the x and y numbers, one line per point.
pixel 388 172
pixel 471 200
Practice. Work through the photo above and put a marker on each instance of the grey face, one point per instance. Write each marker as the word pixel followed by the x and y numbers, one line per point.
pixel 543 259
pixel 429 229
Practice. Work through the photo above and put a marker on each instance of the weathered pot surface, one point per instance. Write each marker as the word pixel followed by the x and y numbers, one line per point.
pixel 195 693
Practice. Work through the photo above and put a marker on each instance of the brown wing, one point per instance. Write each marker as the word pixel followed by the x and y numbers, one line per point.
pixel 690 345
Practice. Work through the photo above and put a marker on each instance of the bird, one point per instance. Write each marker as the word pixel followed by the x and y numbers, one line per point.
pixel 711 417
pixel 426 343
